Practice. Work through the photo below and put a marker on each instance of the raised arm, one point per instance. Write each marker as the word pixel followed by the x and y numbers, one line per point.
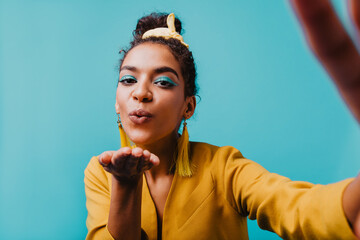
pixel 337 52
pixel 123 220
pixel 127 167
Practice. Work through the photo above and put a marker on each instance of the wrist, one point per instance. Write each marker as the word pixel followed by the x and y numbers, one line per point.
pixel 127 182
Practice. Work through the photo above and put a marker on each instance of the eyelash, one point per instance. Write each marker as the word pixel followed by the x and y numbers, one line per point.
pixel 163 82
pixel 127 80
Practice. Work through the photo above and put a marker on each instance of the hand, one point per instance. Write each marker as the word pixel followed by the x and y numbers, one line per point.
pixel 357 226
pixel 127 164
pixel 351 204
pixel 333 46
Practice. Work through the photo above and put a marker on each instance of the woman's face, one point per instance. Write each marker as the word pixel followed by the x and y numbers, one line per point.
pixel 150 95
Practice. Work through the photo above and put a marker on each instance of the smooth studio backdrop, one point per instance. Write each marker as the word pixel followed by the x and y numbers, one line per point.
pixel 261 91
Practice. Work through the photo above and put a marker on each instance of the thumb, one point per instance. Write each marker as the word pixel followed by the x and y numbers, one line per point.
pixel 105 157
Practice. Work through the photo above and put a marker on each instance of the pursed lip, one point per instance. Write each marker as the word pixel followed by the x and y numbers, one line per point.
pixel 140 116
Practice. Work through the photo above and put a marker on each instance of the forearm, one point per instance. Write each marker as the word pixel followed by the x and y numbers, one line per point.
pixel 125 209
pixel 351 204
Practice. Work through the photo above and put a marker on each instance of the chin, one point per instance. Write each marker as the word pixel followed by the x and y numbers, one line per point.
pixel 141 138
pixel 150 135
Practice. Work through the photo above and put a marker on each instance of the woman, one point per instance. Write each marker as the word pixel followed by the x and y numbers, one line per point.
pixel 155 190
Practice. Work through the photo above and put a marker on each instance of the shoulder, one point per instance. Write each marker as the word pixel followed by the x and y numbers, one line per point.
pixel 222 159
pixel 212 152
pixel 206 155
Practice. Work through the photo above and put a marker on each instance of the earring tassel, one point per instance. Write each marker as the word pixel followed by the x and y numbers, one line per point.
pixel 183 166
pixel 125 141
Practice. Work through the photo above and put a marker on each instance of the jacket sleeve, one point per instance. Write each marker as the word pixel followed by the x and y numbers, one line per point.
pixel 97 190
pixel 291 209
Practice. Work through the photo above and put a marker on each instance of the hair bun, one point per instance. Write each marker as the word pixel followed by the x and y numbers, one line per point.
pixel 154 20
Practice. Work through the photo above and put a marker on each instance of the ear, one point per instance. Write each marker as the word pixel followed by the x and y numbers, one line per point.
pixel 190 107
pixel 117 107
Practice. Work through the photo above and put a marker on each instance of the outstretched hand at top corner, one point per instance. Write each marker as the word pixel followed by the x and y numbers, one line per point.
pixel 332 45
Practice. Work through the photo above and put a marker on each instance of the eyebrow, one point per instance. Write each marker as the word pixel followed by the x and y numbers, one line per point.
pixel 131 68
pixel 166 69
pixel 157 70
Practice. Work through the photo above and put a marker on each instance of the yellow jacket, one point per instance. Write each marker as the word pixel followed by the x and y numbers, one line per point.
pixel 215 201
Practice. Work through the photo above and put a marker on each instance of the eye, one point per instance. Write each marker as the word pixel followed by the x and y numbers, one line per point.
pixel 165 82
pixel 127 80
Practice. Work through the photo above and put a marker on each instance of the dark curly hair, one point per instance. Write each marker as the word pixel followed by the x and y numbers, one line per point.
pixel 180 52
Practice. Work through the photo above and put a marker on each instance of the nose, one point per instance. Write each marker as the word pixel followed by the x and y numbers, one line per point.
pixel 142 93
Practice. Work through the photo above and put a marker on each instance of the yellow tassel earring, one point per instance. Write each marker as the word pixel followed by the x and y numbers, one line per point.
pixel 125 141
pixel 183 166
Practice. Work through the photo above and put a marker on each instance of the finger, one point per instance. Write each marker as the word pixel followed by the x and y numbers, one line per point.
pixel 119 154
pixel 105 157
pixel 128 160
pixel 137 152
pixel 146 155
pixel 154 159
pixel 333 46
pixel 139 160
pixel 354 9
pixel 145 163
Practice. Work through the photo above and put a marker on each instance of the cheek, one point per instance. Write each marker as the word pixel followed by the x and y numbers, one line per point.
pixel 121 100
pixel 174 108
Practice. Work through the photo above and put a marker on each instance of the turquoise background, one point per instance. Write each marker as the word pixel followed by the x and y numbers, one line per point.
pixel 261 91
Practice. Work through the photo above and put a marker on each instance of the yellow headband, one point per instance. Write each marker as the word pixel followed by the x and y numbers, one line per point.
pixel 169 32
